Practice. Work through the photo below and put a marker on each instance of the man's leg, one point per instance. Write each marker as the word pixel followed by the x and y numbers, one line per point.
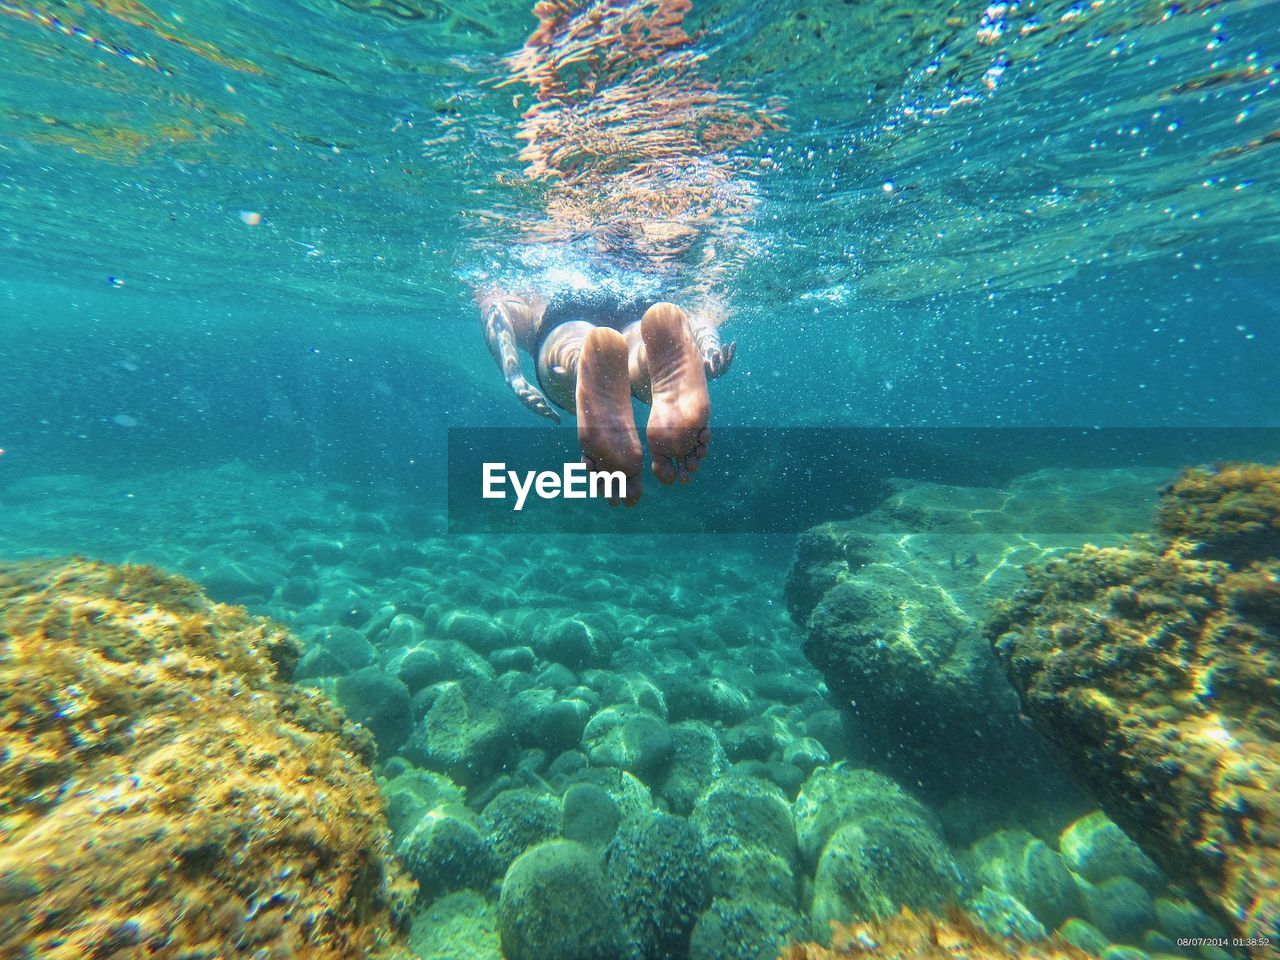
pixel 584 369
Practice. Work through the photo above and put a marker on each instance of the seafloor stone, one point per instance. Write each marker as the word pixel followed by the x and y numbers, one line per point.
pixel 516 820
pixel 742 930
pixel 658 872
pixel 1096 849
pixel 1018 864
pixel 1230 513
pixel 896 632
pixel 446 851
pixel 411 793
pixel 1002 915
pixel 379 702
pixel 589 815
pixel 873 866
pixel 461 926
pixel 466 733
pixel 834 795
pixel 629 738
pixel 697 761
pixel 1157 674
pixel 912 936
pixel 1119 907
pixel 164 792
pixel 555 905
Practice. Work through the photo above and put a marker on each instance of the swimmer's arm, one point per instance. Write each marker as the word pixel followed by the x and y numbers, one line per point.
pixel 716 355
pixel 500 334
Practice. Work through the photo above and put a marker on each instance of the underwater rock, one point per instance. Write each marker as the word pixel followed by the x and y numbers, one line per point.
pixel 349 646
pixel 216 808
pixel 513 658
pixel 709 699
pixel 806 754
pixel 300 591
pixel 447 851
pixel 1156 672
pixel 1004 916
pixel 873 866
pixel 629 738
pixel 921 936
pixel 897 636
pixel 543 719
pixel 589 815
pixel 748 741
pixel 835 795
pixel 516 820
pixel 1084 935
pixel 1180 919
pixel 743 930
pixel 240 583
pixel 740 811
pixel 412 793
pixel 317 663
pixel 750 841
pixel 633 688
pixel 573 643
pixel 1121 908
pixel 380 703
pixel 460 926
pixel 1022 866
pixel 1096 849
pixel 478 632
pixel 658 872
pixel 418 667
pixel 1230 513
pixel 405 630
pixel 697 761
pixel 466 733
pixel 555 905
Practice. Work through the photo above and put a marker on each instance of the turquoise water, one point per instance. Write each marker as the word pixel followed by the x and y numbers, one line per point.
pixel 241 244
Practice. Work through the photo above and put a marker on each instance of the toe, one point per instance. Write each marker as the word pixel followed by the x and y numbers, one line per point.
pixel 664 469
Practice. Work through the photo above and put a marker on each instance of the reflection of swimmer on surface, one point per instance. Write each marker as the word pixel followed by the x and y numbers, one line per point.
pixel 592 358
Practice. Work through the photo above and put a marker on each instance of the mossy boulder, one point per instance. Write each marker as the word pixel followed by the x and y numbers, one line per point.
pixel 555 905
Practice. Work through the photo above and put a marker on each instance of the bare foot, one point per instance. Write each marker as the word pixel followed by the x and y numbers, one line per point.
pixel 677 433
pixel 606 425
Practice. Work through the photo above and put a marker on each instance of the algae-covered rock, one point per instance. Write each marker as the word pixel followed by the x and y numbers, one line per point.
pixel 658 872
pixel 834 795
pixel 461 926
pixel 1084 935
pixel 447 851
pixel 1016 863
pixel 516 820
pixel 413 792
pixel 555 905
pixel 741 811
pixel 1119 907
pixel 1156 672
pixel 466 733
pixel 912 935
pixel 697 761
pixel 589 815
pixel 379 702
pixel 1003 915
pixel 1096 849
pixel 214 805
pixel 1230 513
pixel 873 866
pixel 629 738
pixel 743 930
